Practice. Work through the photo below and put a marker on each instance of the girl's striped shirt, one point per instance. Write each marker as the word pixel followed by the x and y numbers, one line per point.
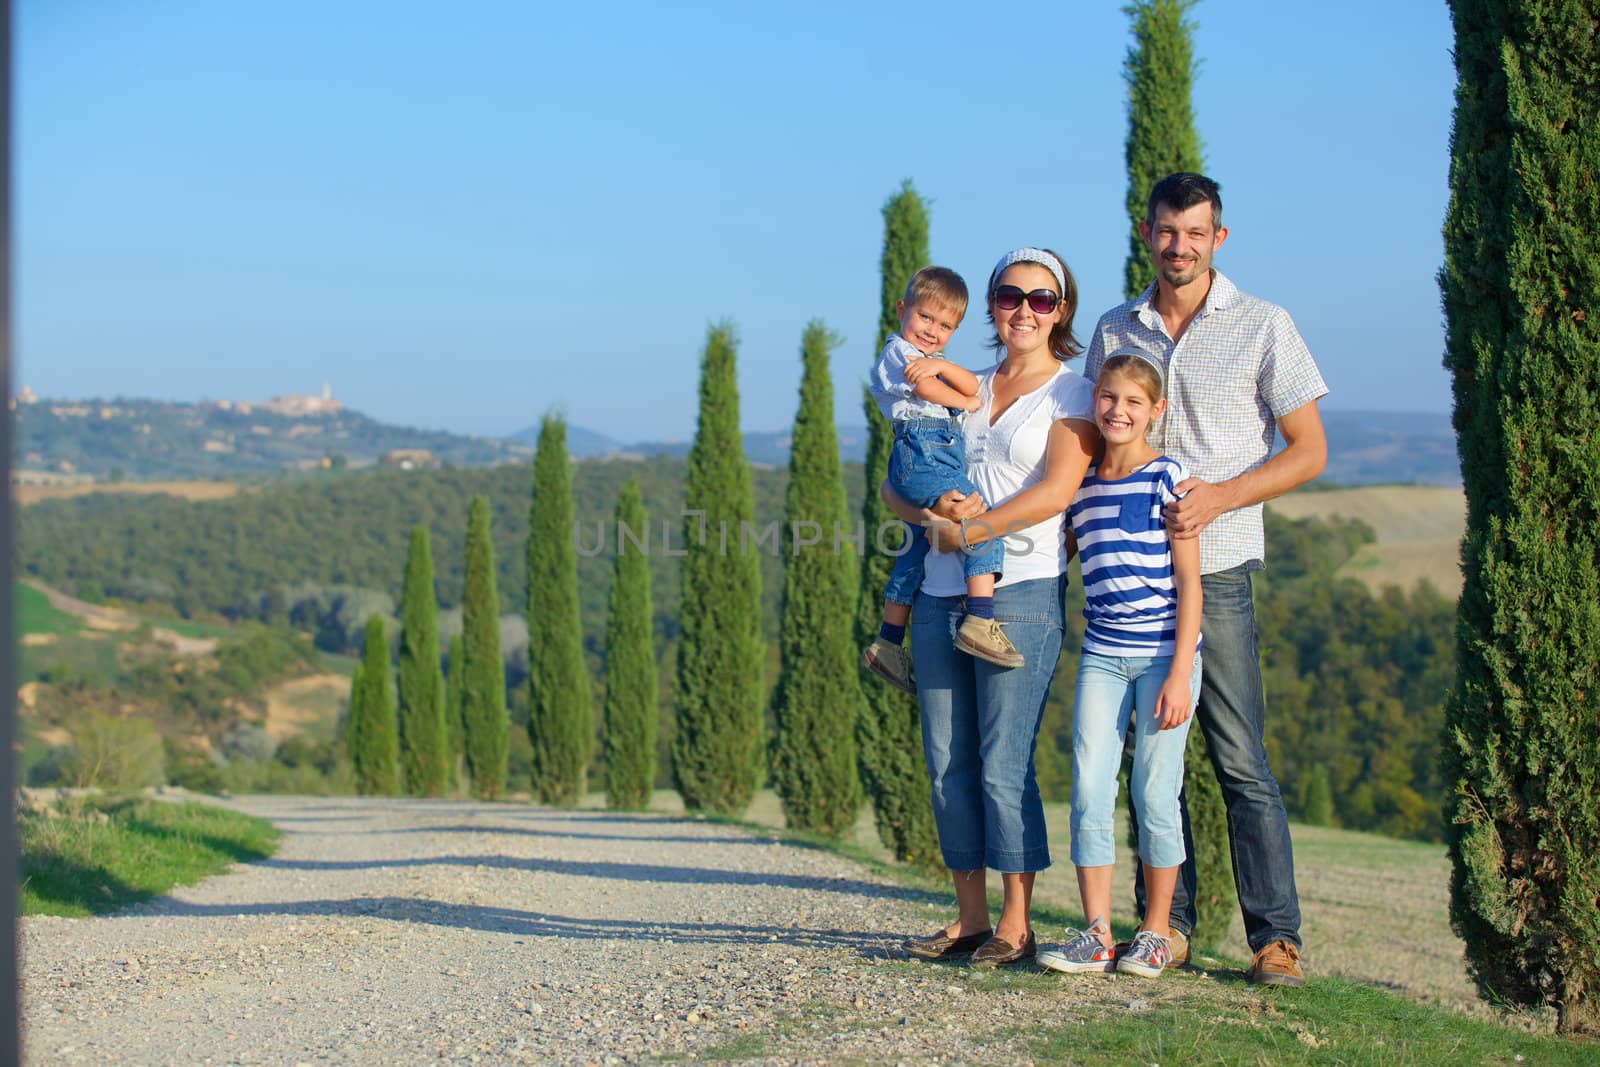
pixel 1131 603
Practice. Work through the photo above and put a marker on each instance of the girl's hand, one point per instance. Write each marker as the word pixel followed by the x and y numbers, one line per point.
pixel 926 367
pixel 1173 706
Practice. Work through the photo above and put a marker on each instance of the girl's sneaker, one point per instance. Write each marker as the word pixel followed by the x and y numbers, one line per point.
pixel 1081 953
pixel 1147 956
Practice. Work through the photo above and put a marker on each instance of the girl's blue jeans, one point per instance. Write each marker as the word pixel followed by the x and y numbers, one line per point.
pixel 1111 690
pixel 980 723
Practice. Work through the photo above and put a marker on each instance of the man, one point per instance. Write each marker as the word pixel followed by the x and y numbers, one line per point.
pixel 1235 368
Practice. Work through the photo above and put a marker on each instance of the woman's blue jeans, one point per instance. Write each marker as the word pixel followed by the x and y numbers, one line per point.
pixel 980 723
pixel 1114 691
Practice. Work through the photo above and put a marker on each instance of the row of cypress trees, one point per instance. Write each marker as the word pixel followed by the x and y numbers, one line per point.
pixel 409 738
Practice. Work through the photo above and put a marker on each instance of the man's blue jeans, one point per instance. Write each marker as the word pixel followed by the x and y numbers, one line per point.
pixel 980 723
pixel 1232 717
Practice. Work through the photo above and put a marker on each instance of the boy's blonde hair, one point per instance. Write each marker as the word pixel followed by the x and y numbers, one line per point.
pixel 940 285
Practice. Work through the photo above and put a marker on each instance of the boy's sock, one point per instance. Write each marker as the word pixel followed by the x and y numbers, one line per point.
pixel 981 606
pixel 891 633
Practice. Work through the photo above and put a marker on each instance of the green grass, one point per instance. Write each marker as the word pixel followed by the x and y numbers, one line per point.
pixel 1221 1019
pixel 87 653
pixel 1330 1021
pixel 96 857
pixel 36 615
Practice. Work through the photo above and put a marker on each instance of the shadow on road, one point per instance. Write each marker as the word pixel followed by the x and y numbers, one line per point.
pixel 875 944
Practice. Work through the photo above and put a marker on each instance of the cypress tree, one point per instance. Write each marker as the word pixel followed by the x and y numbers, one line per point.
pixel 889 730
pixel 352 716
pixel 818 698
pixel 716 750
pixel 452 708
pixel 484 725
pixel 561 715
pixel 1319 797
pixel 1521 288
pixel 424 738
pixel 630 707
pixel 1159 69
pixel 373 727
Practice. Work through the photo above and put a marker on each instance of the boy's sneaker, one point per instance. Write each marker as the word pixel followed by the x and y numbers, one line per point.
pixel 1277 964
pixel 1081 953
pixel 890 663
pixel 1176 939
pixel 1148 955
pixel 984 639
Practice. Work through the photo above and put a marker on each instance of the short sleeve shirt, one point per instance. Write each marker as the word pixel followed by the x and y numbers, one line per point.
pixel 1006 458
pixel 1130 597
pixel 1238 368
pixel 888 385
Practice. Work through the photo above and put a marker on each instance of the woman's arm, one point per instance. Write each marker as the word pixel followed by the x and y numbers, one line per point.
pixel 1068 450
pixel 951 508
pixel 1174 703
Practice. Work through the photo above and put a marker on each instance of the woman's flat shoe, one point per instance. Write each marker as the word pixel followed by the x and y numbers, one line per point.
pixel 941 946
pixel 997 952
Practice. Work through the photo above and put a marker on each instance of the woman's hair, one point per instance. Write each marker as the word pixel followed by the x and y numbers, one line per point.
pixel 1063 345
pixel 1145 374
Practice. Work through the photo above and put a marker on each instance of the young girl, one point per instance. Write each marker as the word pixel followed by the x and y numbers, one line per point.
pixel 1141 659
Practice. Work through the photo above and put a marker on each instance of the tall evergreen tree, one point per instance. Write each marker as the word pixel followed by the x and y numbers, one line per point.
pixel 352 718
pixel 716 750
pixel 484 726
pixel 452 708
pixel 1160 69
pixel 373 731
pixel 1521 285
pixel 818 699
pixel 561 713
pixel 424 738
pixel 630 707
pixel 889 730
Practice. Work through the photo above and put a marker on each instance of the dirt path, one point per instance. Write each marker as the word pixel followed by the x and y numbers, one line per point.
pixel 99 617
pixel 396 931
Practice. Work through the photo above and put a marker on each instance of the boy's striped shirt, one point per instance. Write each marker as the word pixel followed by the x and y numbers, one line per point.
pixel 1131 603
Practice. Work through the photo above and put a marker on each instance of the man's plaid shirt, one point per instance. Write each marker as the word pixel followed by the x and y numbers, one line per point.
pixel 1239 366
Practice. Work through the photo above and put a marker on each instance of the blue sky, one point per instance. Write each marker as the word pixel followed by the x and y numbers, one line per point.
pixel 463 215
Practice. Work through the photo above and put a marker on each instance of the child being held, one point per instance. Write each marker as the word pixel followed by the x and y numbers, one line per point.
pixel 922 394
pixel 1141 661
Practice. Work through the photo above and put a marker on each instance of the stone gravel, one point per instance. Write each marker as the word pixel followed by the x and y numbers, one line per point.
pixel 401 931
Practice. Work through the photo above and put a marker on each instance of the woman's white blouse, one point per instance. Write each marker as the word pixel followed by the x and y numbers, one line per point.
pixel 1005 458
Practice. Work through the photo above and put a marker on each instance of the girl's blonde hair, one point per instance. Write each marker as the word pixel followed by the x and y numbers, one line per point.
pixel 1138 366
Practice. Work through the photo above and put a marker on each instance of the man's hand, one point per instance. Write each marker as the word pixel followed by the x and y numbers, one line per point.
pixel 1199 502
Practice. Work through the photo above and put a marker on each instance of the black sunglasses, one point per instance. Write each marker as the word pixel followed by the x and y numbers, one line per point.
pixel 1040 301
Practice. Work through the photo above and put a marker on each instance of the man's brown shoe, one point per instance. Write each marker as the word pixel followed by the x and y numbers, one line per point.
pixel 941 946
pixel 1277 964
pixel 1175 937
pixel 997 952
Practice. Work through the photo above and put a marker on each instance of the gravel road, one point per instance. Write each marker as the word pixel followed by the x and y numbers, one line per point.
pixel 402 931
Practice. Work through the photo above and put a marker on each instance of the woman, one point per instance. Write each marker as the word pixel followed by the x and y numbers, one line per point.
pixel 1028 446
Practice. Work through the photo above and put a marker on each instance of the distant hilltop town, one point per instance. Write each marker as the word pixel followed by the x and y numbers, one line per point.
pixel 290 405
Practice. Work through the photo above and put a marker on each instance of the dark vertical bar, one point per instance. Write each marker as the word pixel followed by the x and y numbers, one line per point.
pixel 9 1052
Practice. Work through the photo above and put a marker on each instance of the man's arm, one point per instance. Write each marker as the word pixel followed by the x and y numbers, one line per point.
pixel 1304 455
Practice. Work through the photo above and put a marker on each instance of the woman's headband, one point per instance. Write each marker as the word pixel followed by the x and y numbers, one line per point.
pixel 1030 255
